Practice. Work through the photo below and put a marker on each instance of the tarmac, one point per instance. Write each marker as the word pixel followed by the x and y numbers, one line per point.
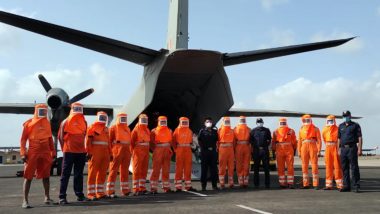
pixel 251 200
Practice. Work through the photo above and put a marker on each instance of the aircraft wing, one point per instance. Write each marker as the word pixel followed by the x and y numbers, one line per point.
pixel 236 112
pixel 250 56
pixel 28 108
pixel 115 48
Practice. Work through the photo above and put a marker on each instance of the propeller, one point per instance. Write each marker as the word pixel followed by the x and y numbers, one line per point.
pixel 81 95
pixel 57 96
pixel 44 82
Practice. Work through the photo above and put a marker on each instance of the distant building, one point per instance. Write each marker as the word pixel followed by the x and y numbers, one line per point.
pixel 10 155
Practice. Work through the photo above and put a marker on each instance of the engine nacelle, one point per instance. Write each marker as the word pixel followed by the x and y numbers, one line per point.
pixel 56 97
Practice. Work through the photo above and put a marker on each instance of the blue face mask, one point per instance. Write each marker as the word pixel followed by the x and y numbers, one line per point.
pixel 346 119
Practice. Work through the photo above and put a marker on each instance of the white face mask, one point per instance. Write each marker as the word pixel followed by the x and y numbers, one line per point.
pixel 260 124
pixel 208 124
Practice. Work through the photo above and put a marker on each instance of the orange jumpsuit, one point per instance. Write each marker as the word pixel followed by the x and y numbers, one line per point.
pixel 120 136
pixel 161 139
pixel 332 158
pixel 140 153
pixel 242 152
pixel 40 151
pixel 100 149
pixel 182 140
pixel 284 143
pixel 226 145
pixel 309 146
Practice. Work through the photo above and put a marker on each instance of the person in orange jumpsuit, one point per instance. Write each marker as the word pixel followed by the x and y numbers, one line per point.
pixel 242 151
pixel 71 135
pixel 120 136
pixel 140 139
pixel 182 140
pixel 39 154
pixel 309 148
pixel 332 158
pixel 226 145
pixel 284 144
pixel 161 140
pixel 99 153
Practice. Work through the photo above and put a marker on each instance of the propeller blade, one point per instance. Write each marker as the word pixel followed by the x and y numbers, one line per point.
pixel 81 95
pixel 44 82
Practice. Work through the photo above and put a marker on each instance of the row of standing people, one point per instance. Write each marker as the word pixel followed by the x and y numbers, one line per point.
pixel 113 148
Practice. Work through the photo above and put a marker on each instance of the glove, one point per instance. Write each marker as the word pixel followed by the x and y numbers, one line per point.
pixel 24 159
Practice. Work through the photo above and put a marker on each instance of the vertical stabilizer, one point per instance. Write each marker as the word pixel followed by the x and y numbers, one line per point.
pixel 178 24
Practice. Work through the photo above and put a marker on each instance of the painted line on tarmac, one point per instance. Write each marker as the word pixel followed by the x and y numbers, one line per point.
pixel 252 209
pixel 197 193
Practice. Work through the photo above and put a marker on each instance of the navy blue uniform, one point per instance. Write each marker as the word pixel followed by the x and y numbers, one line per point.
pixel 70 161
pixel 207 141
pixel 348 135
pixel 260 138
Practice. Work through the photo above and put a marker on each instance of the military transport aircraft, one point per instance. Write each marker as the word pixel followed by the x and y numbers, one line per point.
pixel 177 81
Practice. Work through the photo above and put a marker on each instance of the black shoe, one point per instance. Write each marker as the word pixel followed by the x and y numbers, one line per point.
pixel 291 186
pixel 281 186
pixel 345 190
pixel 204 189
pixel 357 190
pixel 305 187
pixel 178 190
pixel 215 188
pixel 192 189
pixel 82 198
pixel 316 188
pixel 154 192
pixel 327 188
pixel 63 201
pixel 267 186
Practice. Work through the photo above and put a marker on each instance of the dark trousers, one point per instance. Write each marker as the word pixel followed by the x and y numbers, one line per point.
pixel 261 155
pixel 349 158
pixel 209 162
pixel 78 160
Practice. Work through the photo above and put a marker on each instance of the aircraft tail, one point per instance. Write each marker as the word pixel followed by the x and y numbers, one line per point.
pixel 178 36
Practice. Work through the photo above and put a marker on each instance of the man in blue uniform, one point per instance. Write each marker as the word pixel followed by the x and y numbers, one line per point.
pixel 350 143
pixel 207 138
pixel 260 138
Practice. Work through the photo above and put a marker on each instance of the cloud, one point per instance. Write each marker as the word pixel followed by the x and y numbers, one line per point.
pixel 269 4
pixel 73 81
pixel 352 46
pixel 280 38
pixel 330 97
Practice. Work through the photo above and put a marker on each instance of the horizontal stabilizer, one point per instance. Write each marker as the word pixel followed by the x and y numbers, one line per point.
pixel 115 48
pixel 234 112
pixel 250 56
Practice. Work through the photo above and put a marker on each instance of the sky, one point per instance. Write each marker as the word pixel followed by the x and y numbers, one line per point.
pixel 325 81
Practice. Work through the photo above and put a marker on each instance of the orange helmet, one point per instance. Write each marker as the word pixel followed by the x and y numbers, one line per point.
pixel 242 120
pixel 143 119
pixel 283 122
pixel 226 121
pixel 101 117
pixel 330 120
pixel 184 122
pixel 40 110
pixel 306 119
pixel 162 121
pixel 76 108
